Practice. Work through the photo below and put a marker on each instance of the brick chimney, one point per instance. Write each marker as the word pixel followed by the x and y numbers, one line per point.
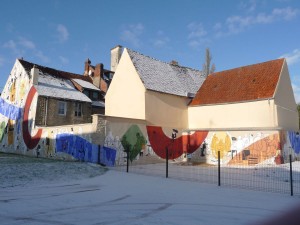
pixel 115 55
pixel 174 63
pixel 87 64
pixel 34 72
pixel 98 74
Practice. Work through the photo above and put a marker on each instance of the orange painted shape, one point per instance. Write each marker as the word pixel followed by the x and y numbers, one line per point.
pixel 30 141
pixel 185 143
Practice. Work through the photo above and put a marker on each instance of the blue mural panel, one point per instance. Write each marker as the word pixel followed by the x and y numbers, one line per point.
pixel 9 110
pixel 64 143
pixel 108 156
pixel 295 141
pixel 83 150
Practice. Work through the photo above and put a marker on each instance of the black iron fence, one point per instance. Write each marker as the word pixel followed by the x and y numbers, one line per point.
pixel 283 178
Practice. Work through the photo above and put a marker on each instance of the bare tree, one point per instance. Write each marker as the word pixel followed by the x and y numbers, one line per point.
pixel 207 68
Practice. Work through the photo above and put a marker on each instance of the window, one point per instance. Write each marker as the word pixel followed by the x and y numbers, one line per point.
pixel 78 109
pixel 95 96
pixel 62 108
pixel 86 92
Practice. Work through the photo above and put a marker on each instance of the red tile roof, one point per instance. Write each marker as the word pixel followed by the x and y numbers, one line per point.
pixel 246 83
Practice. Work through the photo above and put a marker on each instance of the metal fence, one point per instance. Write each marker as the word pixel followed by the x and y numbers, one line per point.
pixel 284 178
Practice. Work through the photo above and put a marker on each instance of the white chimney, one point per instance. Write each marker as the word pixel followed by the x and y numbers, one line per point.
pixel 35 75
pixel 115 55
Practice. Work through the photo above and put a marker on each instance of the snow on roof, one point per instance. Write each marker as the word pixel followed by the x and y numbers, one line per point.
pixel 98 104
pixel 165 77
pixel 54 72
pixel 55 87
pixel 86 84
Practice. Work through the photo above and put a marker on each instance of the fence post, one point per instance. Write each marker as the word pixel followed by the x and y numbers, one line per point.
pixel 127 164
pixel 291 176
pixel 167 162
pixel 219 169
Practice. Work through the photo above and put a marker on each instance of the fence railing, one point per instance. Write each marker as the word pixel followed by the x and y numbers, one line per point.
pixel 283 178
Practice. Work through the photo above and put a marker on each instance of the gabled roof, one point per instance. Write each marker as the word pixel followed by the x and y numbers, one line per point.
pixel 53 72
pixel 55 87
pixel 247 83
pixel 57 84
pixel 98 104
pixel 165 77
pixel 86 84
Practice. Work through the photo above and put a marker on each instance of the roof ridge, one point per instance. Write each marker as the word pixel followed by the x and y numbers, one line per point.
pixel 46 67
pixel 168 63
pixel 59 73
pixel 255 64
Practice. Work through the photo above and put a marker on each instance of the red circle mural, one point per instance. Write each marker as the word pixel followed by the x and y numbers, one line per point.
pixel 30 141
pixel 185 143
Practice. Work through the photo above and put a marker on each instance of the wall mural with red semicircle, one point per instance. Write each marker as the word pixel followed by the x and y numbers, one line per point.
pixel 185 144
pixel 147 144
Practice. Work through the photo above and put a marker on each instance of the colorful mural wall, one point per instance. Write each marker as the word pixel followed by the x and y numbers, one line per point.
pixel 245 148
pixel 18 134
pixel 145 144
pixel 235 147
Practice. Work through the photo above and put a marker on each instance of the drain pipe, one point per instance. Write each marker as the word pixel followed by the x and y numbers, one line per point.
pixel 46 114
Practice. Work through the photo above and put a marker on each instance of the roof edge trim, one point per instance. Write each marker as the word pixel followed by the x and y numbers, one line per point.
pixel 229 103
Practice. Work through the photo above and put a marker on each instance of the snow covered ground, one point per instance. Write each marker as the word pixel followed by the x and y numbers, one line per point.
pixel 35 191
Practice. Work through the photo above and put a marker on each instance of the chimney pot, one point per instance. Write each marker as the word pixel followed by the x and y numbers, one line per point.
pixel 87 64
pixel 174 62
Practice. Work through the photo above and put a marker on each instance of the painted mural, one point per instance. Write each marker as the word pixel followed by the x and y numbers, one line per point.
pixel 146 144
pixel 84 150
pixel 184 144
pixel 114 142
pixel 18 134
pixel 11 110
pixel 294 139
pixel 244 148
pixel 2 130
pixel 30 141
pixel 132 139
pixel 259 151
pixel 134 142
pixel 221 142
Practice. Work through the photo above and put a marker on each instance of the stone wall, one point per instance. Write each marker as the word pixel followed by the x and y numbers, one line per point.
pixel 52 118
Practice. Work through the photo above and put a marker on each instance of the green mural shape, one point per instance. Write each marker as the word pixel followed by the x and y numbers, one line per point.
pixel 133 140
pixel 2 130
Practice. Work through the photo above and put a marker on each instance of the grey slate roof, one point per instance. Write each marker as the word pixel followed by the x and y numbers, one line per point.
pixel 86 84
pixel 52 86
pixel 165 77
pixel 98 104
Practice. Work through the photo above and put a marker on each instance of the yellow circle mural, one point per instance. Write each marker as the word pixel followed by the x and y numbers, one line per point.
pixel 220 142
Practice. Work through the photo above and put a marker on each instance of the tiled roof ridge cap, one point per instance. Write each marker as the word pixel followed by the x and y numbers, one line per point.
pixel 163 61
pixel 240 67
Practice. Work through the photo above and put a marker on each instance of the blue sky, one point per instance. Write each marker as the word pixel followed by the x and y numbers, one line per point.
pixel 62 34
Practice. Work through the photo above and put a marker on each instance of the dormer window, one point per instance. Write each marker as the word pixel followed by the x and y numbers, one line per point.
pixel 95 95
pixel 86 92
